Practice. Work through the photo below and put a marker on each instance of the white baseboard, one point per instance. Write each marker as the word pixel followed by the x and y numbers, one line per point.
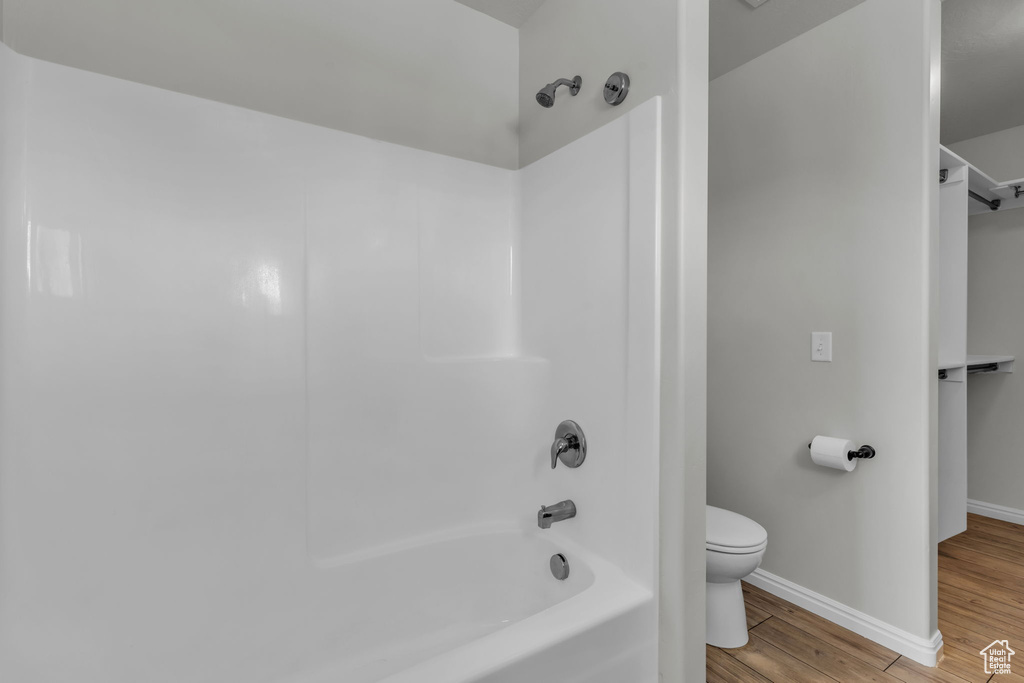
pixel 922 650
pixel 996 511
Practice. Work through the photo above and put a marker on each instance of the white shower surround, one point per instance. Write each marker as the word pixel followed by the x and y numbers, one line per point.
pixel 245 360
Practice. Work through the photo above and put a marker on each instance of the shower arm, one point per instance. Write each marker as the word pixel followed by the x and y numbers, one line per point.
pixel 546 96
pixel 565 81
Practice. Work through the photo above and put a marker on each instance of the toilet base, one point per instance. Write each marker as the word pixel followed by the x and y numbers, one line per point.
pixel 726 617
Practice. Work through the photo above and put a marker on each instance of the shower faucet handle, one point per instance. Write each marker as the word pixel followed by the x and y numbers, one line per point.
pixel 570 445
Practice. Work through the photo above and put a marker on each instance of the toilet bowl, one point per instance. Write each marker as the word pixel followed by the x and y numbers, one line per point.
pixel 734 548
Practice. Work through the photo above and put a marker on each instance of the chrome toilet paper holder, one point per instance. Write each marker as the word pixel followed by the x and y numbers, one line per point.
pixel 866 452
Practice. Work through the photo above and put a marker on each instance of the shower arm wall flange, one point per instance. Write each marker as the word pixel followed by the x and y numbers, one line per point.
pixel 574 85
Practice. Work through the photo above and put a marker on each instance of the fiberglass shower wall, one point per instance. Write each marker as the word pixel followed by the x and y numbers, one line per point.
pixel 153 478
pixel 240 352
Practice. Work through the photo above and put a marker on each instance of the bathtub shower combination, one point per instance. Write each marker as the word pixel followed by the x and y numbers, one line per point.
pixel 278 403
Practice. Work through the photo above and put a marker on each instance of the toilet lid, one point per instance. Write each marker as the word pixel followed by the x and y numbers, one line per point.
pixel 728 530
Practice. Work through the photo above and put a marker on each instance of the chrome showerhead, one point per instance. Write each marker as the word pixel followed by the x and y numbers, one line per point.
pixel 546 96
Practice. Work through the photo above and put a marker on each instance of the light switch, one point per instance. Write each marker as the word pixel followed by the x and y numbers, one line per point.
pixel 821 347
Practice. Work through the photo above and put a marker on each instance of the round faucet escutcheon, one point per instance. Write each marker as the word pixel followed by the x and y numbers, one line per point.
pixel 569 446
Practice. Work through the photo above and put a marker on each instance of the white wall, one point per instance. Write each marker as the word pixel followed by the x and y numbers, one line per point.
pixel 239 350
pixel 823 217
pixel 414 362
pixel 154 478
pixel 999 154
pixel 663 46
pixel 430 74
pixel 590 309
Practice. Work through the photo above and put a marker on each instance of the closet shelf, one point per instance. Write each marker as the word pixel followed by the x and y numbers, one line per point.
pixel 1011 192
pixel 978 182
pixel 952 373
pixel 980 365
pixel 982 184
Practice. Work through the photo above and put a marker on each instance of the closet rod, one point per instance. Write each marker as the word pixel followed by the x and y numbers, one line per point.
pixel 983 367
pixel 994 204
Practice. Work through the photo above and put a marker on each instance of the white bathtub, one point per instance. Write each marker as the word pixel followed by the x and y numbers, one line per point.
pixel 478 607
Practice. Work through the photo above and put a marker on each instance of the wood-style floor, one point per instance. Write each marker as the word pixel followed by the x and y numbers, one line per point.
pixel 981 599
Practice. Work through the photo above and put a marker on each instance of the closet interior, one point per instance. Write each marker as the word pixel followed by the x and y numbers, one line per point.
pixel 965 190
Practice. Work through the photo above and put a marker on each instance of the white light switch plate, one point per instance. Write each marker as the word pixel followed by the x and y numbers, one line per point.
pixel 821 347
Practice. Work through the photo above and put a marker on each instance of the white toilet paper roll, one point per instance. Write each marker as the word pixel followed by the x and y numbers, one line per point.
pixel 828 451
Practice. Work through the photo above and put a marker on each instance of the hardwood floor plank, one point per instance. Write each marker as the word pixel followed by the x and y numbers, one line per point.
pixel 980 572
pixel 955 634
pixel 993 566
pixel 911 672
pixel 981 599
pixel 723 668
pixel 868 651
pixel 776 665
pixel 984 604
pixel 815 652
pixel 1012 677
pixel 994 532
pixel 755 615
pixel 949 578
pixel 1000 549
pixel 967 666
pixel 978 521
pixel 984 623
pixel 766 601
pixel 992 521
pixel 998 535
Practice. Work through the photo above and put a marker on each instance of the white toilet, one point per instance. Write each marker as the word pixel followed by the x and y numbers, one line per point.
pixel 735 546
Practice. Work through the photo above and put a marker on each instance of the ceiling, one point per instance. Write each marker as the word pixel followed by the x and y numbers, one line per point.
pixel 511 12
pixel 982 44
pixel 982 67
pixel 740 33
pixel 430 74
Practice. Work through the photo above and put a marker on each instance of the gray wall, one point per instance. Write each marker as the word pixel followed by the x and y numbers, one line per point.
pixel 823 217
pixel 663 46
pixel 999 154
pixel 739 34
pixel 995 325
pixel 592 38
pixel 430 74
